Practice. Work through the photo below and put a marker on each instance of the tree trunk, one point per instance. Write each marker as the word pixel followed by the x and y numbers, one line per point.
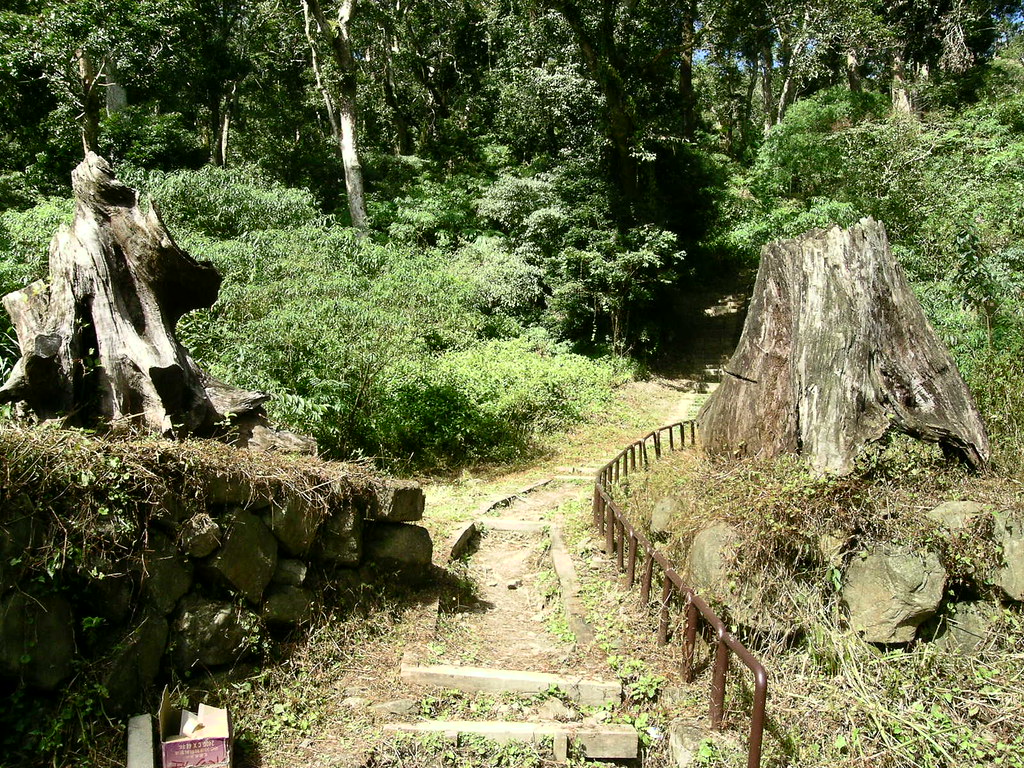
pixel 89 76
pixel 853 71
pixel 345 123
pixel 902 99
pixel 600 54
pixel 98 342
pixel 835 352
pixel 116 97
pixel 687 97
pixel 767 90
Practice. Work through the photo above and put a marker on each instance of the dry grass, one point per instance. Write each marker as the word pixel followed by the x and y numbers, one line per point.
pixel 836 700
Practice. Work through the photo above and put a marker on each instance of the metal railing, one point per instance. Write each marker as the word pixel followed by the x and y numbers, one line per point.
pixel 631 546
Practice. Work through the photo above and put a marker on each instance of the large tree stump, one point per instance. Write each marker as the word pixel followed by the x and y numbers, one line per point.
pixel 835 352
pixel 97 341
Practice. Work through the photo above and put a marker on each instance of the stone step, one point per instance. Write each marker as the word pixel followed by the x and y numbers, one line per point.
pixel 591 693
pixel 608 742
pixel 140 742
pixel 513 524
pixel 507 501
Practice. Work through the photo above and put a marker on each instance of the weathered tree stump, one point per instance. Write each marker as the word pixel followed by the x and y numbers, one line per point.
pixel 835 352
pixel 98 340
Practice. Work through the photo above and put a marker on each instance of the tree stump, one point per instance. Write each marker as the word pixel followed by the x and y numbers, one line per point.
pixel 98 341
pixel 836 352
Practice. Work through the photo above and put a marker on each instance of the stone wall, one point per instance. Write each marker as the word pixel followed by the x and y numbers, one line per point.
pixel 219 561
pixel 892 593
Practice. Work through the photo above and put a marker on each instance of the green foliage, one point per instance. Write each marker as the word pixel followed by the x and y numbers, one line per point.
pixel 136 136
pixel 809 150
pixel 223 203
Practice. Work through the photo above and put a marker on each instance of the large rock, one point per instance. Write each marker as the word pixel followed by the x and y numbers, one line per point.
pixel 210 633
pixel 167 575
pixel 708 561
pixel 290 573
pixel 248 557
pixel 685 740
pixel 399 547
pixel 969 626
pixel 199 536
pixel 1009 534
pixel 397 501
pixel 340 538
pixel 889 592
pixel 37 639
pixel 294 523
pixel 663 513
pixel 287 606
pixel 229 490
pixel 135 665
pixel 954 515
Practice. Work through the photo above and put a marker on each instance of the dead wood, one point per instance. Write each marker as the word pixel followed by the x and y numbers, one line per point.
pixel 836 352
pixel 98 338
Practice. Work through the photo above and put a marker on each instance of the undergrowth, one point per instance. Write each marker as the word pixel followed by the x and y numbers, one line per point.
pixel 835 699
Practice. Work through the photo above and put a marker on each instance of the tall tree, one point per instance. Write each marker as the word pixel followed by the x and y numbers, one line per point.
pixel 340 102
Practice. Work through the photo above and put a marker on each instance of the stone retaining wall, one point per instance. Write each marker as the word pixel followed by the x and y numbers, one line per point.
pixel 215 568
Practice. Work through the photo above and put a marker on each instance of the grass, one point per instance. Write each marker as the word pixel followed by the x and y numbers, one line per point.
pixel 834 699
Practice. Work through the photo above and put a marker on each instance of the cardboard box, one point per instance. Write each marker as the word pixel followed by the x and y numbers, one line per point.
pixel 193 739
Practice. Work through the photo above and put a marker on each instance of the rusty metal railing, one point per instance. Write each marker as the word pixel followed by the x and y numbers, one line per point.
pixel 630 546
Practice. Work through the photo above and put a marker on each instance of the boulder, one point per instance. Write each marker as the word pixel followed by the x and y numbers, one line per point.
pixel 1009 535
pixel 287 606
pixel 110 593
pixel 294 523
pixel 707 562
pixel 340 539
pixel 135 665
pixel 37 639
pixel 210 633
pixel 199 536
pixel 832 546
pixel 397 501
pixel 662 514
pixel 166 574
pixel 20 531
pixel 290 573
pixel 229 490
pixel 404 549
pixel 953 515
pixel 890 591
pixel 968 627
pixel 248 557
pixel 685 740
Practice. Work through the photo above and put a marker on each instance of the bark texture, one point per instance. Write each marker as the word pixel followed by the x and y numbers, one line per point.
pixel 98 341
pixel 835 352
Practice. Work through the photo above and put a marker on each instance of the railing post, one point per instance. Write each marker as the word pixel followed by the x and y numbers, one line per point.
pixel 609 528
pixel 645 581
pixel 666 594
pixel 693 433
pixel 596 509
pixel 631 565
pixel 757 719
pixel 620 545
pixel 718 682
pixel 690 639
pixel 671 438
pixel 657 444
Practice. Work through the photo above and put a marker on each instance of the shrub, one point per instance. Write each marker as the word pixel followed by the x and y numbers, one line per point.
pixel 224 203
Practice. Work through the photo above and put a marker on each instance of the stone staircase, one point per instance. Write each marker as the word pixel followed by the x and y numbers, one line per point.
pixel 563 726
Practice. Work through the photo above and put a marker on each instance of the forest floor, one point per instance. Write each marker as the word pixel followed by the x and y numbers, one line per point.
pixel 343 687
